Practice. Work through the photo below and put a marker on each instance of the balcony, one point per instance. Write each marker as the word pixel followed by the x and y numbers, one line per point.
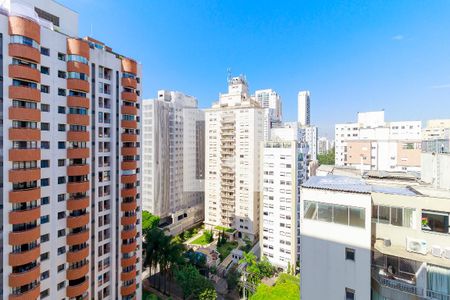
pixel 24 72
pixel 128 206
pixel 78 136
pixel 74 101
pixel 78 272
pixel 125 262
pixel 25 195
pixel 78 153
pixel 397 284
pixel 128 165
pixel 24 134
pixel 132 192
pixel 129 96
pixel 129 124
pixel 24 114
pixel 78 221
pixel 24 216
pixel 25 236
pixel 24 51
pixel 74 256
pixel 78 85
pixel 125 276
pixel 21 154
pixel 128 234
pixel 131 220
pixel 128 178
pixel 30 294
pixel 128 290
pixel 76 66
pixel 128 151
pixel 77 290
pixel 78 238
pixel 78 187
pixel 129 110
pixel 75 204
pixel 126 248
pixel 24 257
pixel 77 170
pixel 129 137
pixel 24 175
pixel 129 82
pixel 24 93
pixel 78 119
pixel 25 277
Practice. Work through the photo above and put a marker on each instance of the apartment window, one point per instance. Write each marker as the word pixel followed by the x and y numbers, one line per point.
pixel 61 74
pixel 61 285
pixel 61 162
pixel 61 197
pixel 45 126
pixel 45 70
pixel 45 51
pixel 45 219
pixel 45 294
pixel 61 56
pixel 340 214
pixel 45 107
pixel 61 127
pixel 44 256
pixel 349 294
pixel 350 254
pixel 45 163
pixel 357 217
pixel 45 238
pixel 61 145
pixel 61 92
pixel 45 89
pixel 396 216
pixel 61 215
pixel 61 110
pixel 45 275
pixel 45 200
pixel 61 250
pixel 61 232
pixel 435 221
pixel 45 182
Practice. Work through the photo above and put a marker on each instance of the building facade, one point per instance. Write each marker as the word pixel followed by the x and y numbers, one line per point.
pixel 234 131
pixel 374 144
pixel 284 168
pixel 71 160
pixel 436 130
pixel 173 160
pixel 271 102
pixel 324 145
pixel 374 238
pixel 304 108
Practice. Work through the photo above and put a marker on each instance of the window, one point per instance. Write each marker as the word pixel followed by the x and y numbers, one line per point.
pixel 61 110
pixel 45 219
pixel 396 216
pixel 61 215
pixel 45 238
pixel 61 56
pixel 324 212
pixel 435 221
pixel 45 163
pixel 45 89
pixel 340 214
pixel 350 254
pixel 310 210
pixel 61 180
pixel 61 197
pixel 61 162
pixel 45 145
pixel 61 92
pixel 45 70
pixel 44 256
pixel 61 145
pixel 357 217
pixel 383 214
pixel 45 51
pixel 45 275
pixel 45 107
pixel 333 213
pixel 61 250
pixel 61 127
pixel 45 182
pixel 45 294
pixel 61 285
pixel 45 200
pixel 349 294
pixel 45 126
pixel 61 232
pixel 61 74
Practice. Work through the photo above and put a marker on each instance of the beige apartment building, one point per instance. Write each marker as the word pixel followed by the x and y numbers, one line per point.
pixel 70 130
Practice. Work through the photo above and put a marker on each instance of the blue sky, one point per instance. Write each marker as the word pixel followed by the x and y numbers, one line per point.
pixel 352 55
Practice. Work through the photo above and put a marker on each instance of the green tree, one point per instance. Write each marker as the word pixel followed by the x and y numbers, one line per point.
pixel 208 234
pixel 326 159
pixel 149 221
pixel 233 279
pixel 193 284
pixel 208 294
pixel 287 287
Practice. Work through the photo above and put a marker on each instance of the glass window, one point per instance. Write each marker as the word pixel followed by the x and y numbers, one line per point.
pixel 383 214
pixel 350 254
pixel 357 217
pixel 396 216
pixel 408 217
pixel 375 213
pixel 310 210
pixel 435 221
pixel 45 51
pixel 325 212
pixel 349 294
pixel 341 214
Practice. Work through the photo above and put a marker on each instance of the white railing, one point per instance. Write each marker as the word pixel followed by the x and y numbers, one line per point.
pixel 437 295
pixel 399 285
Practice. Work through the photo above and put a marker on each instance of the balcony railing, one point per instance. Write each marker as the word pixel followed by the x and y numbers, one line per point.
pixel 437 295
pixel 398 285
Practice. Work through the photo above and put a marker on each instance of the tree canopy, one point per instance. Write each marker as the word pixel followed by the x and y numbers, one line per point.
pixel 326 159
pixel 149 221
pixel 287 287
pixel 194 284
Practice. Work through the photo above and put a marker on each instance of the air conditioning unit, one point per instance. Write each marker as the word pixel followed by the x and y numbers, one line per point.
pixel 446 253
pixel 418 246
pixel 436 251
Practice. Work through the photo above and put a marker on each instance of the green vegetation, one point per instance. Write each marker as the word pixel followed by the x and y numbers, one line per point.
pixel 226 248
pixel 233 279
pixel 186 235
pixel 149 296
pixel 247 247
pixel 149 221
pixel 326 159
pixel 226 229
pixel 257 270
pixel 193 284
pixel 287 287
pixel 204 239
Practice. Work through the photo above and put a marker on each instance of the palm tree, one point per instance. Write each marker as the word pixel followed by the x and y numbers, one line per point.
pixel 153 238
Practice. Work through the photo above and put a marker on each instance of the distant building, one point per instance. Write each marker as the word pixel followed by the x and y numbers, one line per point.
pixel 234 132
pixel 271 102
pixel 304 108
pixel 374 144
pixel 436 130
pixel 173 160
pixel 374 238
pixel 324 145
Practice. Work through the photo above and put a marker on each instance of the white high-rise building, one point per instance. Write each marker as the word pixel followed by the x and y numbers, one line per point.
pixel 271 102
pixel 311 136
pixel 234 131
pixel 374 144
pixel 283 169
pixel 324 145
pixel 173 159
pixel 436 130
pixel 304 108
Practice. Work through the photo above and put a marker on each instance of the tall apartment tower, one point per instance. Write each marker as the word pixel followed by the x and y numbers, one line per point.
pixel 271 102
pixel 283 168
pixel 70 151
pixel 234 131
pixel 304 108
pixel 173 159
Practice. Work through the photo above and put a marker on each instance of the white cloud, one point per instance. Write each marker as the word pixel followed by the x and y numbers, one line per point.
pixel 441 86
pixel 398 37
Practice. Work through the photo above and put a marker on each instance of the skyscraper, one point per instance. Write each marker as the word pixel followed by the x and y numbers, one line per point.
pixel 234 131
pixel 304 110
pixel 173 160
pixel 70 191
pixel 271 102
